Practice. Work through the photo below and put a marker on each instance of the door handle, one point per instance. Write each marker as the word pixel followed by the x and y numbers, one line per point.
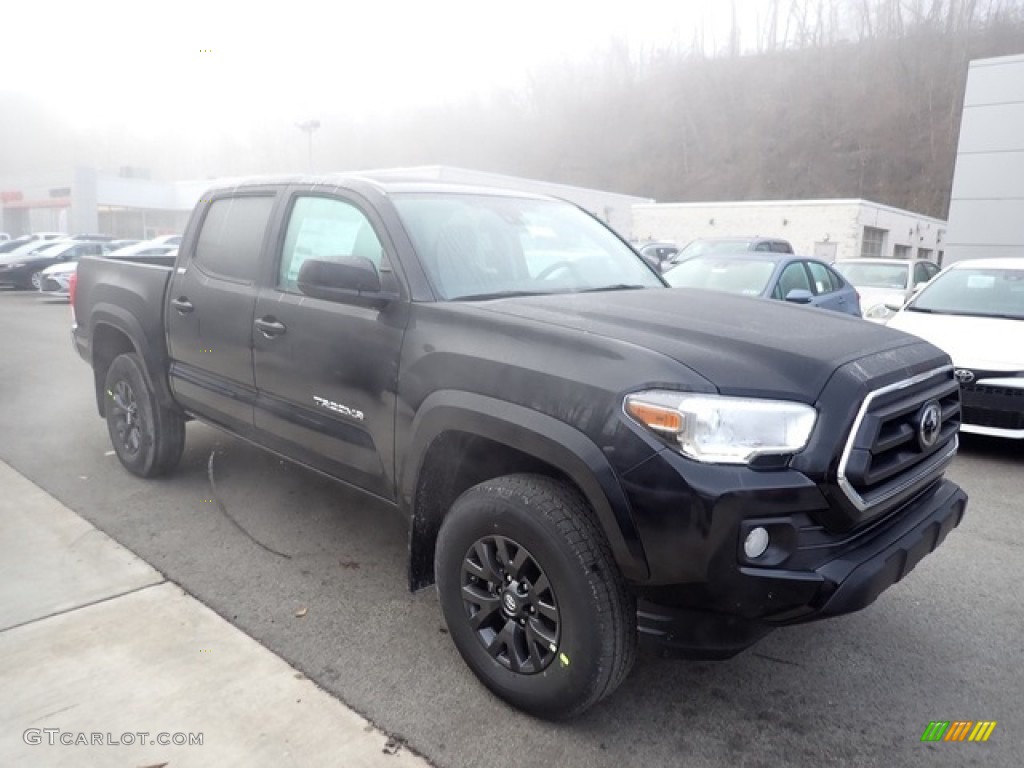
pixel 270 327
pixel 183 305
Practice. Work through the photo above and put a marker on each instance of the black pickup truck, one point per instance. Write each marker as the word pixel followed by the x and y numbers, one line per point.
pixel 585 455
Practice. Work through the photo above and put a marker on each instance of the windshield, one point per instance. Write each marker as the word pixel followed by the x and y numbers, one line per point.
pixel 487 246
pixel 748 277
pixel 984 292
pixel 704 247
pixel 893 276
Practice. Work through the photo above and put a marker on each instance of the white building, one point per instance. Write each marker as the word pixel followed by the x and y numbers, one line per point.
pixel 986 211
pixel 828 229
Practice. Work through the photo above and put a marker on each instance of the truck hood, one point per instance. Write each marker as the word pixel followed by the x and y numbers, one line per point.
pixel 743 346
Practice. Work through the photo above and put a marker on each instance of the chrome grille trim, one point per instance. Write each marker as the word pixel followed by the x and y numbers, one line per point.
pixel 930 467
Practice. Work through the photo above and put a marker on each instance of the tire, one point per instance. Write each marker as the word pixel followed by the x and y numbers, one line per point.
pixel 34 280
pixel 147 437
pixel 562 633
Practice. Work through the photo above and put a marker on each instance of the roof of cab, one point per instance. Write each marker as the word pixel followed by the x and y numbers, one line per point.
pixel 385 185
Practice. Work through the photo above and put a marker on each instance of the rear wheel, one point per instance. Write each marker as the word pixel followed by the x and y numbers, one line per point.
pixel 532 596
pixel 148 438
pixel 35 280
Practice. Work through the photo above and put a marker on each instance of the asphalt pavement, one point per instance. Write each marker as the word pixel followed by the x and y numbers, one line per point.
pixel 315 572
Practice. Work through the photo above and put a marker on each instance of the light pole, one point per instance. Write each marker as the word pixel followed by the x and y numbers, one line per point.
pixel 307 127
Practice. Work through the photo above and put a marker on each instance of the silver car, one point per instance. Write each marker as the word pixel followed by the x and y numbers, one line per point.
pixel 885 285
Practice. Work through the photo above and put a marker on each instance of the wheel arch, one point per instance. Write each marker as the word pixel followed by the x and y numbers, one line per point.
pixel 459 439
pixel 114 331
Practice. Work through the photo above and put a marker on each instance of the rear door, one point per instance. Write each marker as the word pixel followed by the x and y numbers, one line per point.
pixel 209 317
pixel 829 291
pixel 326 372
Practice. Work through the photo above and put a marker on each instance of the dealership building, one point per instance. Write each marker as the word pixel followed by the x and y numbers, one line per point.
pixel 986 210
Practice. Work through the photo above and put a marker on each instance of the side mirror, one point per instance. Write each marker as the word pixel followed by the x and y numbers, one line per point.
pixel 799 296
pixel 893 306
pixel 350 280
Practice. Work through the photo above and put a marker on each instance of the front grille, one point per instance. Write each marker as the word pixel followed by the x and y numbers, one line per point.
pixel 888 457
pixel 997 407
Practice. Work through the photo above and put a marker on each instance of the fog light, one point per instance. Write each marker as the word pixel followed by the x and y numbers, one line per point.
pixel 756 543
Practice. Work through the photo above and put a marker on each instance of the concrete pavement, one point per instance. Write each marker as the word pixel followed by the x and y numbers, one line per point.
pixel 103 662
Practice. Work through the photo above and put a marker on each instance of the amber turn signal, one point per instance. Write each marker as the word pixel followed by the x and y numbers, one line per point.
pixel 656 416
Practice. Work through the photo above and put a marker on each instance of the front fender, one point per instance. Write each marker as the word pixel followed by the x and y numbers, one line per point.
pixel 538 435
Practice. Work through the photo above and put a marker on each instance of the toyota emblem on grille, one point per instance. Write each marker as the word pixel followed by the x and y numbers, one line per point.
pixel 963 375
pixel 929 424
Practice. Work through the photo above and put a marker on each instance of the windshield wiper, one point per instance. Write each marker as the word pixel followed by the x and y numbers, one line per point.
pixel 499 295
pixel 615 287
pixel 959 313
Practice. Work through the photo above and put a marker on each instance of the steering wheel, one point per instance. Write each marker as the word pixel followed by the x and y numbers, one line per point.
pixel 551 269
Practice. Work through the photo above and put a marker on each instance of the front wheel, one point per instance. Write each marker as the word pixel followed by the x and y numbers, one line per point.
pixel 148 438
pixel 532 596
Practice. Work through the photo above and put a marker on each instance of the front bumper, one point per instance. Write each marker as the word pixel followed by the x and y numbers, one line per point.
pixel 725 605
pixel 55 286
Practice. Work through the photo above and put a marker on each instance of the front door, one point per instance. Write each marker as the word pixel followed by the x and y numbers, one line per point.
pixel 326 372
pixel 210 313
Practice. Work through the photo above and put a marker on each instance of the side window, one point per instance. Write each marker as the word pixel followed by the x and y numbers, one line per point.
pixel 794 276
pixel 821 278
pixel 327 229
pixel 232 235
pixel 923 272
pixel 780 247
pixel 763 247
pixel 920 275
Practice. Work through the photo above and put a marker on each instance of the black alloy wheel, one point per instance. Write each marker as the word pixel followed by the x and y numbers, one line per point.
pixel 148 437
pixel 532 596
pixel 510 604
pixel 126 418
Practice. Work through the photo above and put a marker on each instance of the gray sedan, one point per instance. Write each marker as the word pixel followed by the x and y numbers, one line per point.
pixel 786 277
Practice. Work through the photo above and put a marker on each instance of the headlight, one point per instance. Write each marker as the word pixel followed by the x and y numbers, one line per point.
pixel 879 312
pixel 723 430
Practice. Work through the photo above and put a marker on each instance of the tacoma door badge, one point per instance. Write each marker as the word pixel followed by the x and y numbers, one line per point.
pixel 344 410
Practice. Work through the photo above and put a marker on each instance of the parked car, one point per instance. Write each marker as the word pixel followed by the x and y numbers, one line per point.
pixel 4 237
pixel 25 270
pixel 9 246
pixel 13 262
pixel 714 245
pixel 885 285
pixel 974 310
pixel 657 254
pixel 116 244
pixel 584 456
pixel 93 238
pixel 796 279
pixel 56 279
